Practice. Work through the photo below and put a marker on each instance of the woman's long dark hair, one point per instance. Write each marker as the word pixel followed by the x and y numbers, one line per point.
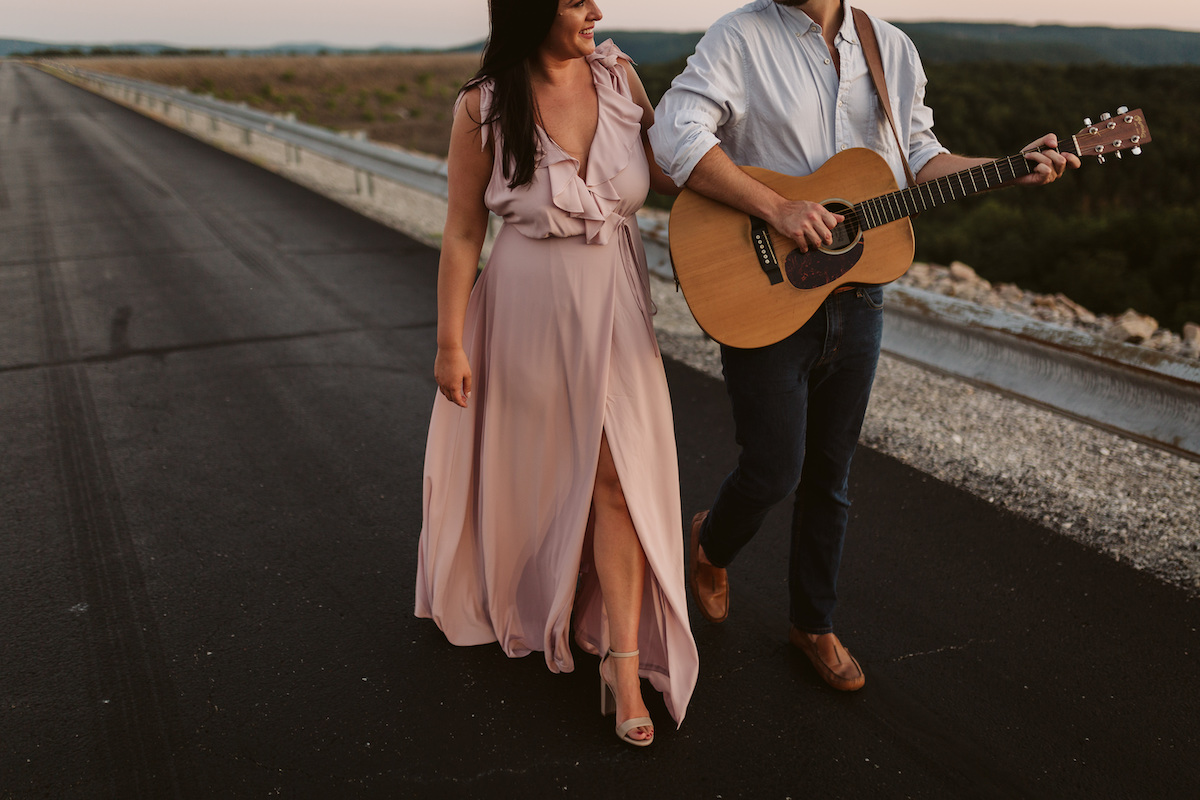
pixel 518 28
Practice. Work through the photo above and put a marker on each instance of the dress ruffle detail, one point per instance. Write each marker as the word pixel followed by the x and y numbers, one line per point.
pixel 595 199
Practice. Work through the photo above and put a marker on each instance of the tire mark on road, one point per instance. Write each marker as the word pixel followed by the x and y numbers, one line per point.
pixel 133 690
pixel 5 204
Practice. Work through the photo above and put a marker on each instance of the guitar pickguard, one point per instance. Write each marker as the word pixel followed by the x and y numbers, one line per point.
pixel 816 268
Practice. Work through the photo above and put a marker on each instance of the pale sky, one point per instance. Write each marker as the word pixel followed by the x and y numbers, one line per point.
pixel 440 23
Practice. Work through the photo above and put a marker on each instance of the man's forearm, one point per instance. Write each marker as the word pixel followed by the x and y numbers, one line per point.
pixel 717 177
pixel 945 164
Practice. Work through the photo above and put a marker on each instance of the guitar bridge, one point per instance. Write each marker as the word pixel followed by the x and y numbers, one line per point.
pixel 760 239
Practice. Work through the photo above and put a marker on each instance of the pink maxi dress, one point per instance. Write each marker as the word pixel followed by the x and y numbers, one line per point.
pixel 562 350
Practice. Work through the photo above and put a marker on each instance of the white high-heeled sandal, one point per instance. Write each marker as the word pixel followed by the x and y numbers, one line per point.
pixel 608 705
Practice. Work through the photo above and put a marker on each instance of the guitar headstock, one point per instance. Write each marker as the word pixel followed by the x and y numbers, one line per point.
pixel 1113 134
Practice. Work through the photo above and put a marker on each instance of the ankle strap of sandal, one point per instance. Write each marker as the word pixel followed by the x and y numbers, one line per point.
pixel 615 654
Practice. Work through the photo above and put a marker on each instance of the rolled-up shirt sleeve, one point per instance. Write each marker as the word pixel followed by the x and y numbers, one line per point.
pixel 923 145
pixel 707 97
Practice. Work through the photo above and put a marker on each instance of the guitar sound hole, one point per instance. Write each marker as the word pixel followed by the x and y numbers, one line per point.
pixel 847 233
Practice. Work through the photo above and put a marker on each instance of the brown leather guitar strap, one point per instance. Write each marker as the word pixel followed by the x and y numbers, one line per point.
pixel 870 46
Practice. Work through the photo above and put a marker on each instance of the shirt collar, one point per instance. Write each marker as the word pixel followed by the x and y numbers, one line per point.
pixel 847 31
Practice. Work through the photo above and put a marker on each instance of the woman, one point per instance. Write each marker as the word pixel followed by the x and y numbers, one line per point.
pixel 551 489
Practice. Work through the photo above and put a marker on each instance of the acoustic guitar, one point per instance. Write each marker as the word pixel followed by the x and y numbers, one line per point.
pixel 748 285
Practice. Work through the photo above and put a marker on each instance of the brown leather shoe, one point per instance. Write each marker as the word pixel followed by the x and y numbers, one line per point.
pixel 823 653
pixel 710 585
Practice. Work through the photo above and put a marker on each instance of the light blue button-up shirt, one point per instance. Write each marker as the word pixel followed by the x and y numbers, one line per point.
pixel 763 86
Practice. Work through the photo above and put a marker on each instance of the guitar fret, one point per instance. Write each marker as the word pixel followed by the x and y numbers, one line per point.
pixel 1027 164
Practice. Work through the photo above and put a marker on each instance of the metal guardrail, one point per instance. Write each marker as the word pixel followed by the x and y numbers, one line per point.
pixel 1130 390
pixel 1134 391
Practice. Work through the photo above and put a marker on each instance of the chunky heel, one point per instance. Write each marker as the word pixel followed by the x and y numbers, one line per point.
pixel 608 700
pixel 608 705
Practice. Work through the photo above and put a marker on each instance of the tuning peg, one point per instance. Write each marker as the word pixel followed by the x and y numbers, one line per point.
pixel 1099 159
pixel 1118 154
pixel 1087 122
pixel 1122 109
pixel 1137 151
pixel 1105 116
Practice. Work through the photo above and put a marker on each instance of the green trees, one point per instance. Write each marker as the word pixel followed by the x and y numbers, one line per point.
pixel 1111 236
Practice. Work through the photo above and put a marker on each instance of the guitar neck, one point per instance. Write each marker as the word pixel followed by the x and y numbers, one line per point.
pixel 931 194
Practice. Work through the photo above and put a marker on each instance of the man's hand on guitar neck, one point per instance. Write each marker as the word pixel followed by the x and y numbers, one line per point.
pixel 1050 162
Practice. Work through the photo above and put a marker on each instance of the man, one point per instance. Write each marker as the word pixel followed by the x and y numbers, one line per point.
pixel 784 84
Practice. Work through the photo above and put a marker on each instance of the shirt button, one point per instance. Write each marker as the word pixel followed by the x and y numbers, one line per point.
pixel 827 61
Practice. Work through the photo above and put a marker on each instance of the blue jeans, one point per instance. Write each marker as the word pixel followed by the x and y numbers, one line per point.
pixel 798 407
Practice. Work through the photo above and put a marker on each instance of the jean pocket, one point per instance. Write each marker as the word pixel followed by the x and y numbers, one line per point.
pixel 872 296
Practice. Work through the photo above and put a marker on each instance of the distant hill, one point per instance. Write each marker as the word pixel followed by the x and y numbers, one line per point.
pixel 960 42
pixel 939 42
pixel 16 47
pixel 1052 44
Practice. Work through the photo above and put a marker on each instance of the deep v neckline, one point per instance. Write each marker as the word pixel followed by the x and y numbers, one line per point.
pixel 581 170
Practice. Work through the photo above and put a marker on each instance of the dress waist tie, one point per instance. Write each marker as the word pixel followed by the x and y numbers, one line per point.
pixel 632 257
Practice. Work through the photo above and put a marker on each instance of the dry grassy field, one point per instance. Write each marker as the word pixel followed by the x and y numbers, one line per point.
pixel 401 99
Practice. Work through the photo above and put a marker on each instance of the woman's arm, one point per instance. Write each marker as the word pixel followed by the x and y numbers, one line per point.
pixel 659 181
pixel 470 167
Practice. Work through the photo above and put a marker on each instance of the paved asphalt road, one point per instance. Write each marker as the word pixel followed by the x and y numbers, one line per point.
pixel 214 388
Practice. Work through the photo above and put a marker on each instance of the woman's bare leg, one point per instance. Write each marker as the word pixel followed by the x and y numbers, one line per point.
pixel 621 568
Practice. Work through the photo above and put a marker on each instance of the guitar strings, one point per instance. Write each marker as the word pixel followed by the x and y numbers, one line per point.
pixel 897 205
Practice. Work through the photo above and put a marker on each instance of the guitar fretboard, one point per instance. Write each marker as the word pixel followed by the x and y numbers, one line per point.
pixel 931 194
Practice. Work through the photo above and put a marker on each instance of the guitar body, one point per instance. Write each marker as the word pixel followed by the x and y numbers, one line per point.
pixel 728 292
